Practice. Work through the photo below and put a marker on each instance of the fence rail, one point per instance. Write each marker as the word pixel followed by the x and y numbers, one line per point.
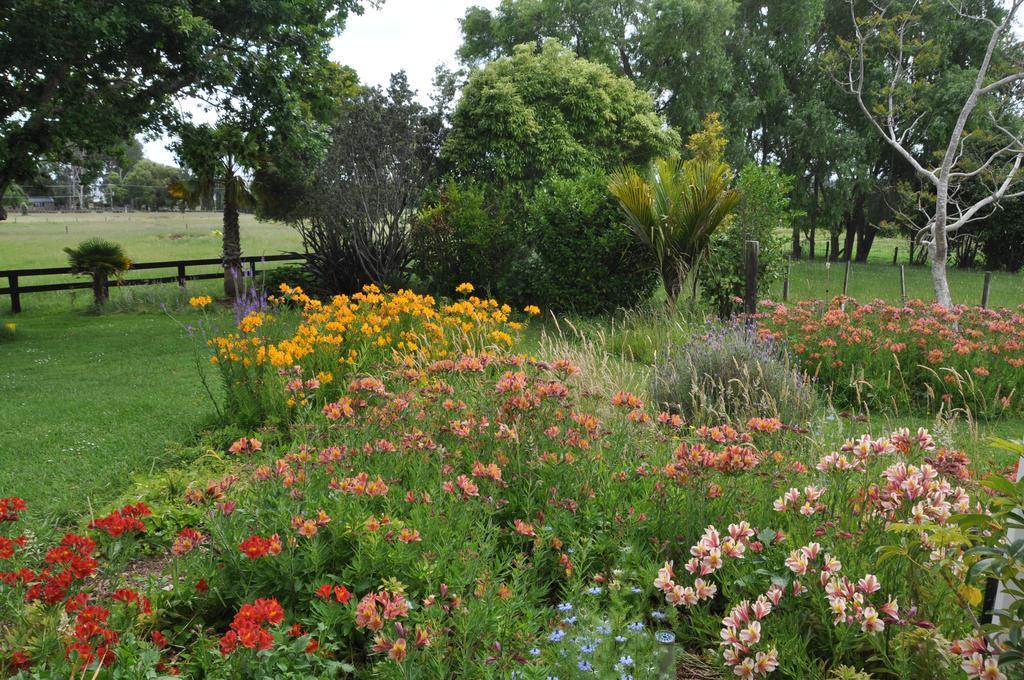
pixel 15 289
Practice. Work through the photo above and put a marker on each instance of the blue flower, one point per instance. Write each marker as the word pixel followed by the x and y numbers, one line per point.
pixel 635 589
pixel 604 629
pixel 620 638
pixel 584 666
pixel 556 635
pixel 569 620
pixel 535 651
pixel 565 607
pixel 626 676
pixel 588 648
pixel 636 626
pixel 658 615
pixel 626 660
pixel 596 590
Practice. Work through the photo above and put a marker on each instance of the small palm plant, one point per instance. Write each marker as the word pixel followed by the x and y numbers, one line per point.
pixel 674 210
pixel 101 260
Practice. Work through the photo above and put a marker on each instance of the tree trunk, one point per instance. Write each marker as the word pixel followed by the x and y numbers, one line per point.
pixel 865 239
pixel 99 288
pixel 833 255
pixel 232 255
pixel 5 182
pixel 939 251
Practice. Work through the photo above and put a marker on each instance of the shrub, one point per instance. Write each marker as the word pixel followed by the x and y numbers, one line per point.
pixel 458 236
pixel 918 356
pixel 762 215
pixel 586 260
pixel 98 259
pixel 732 373
pixel 356 217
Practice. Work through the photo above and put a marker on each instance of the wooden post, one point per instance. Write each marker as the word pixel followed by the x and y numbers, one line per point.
pixel 785 284
pixel 895 254
pixel 985 290
pixel 12 281
pixel 751 250
pixel 828 255
pixel 903 284
pixel 846 278
pixel 181 275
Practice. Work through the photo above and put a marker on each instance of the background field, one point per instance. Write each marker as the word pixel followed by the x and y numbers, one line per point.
pixel 38 240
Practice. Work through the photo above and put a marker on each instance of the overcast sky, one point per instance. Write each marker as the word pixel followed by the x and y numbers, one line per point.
pixel 415 35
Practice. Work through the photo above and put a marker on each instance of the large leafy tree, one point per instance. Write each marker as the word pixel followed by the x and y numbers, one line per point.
pixel 524 122
pixel 546 112
pixel 82 75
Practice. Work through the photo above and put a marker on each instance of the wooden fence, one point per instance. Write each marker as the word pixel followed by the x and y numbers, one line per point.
pixel 15 288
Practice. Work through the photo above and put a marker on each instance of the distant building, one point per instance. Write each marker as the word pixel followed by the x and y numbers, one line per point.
pixel 41 202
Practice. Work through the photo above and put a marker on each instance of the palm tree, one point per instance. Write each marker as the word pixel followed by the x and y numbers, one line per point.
pixel 100 260
pixel 675 210
pixel 213 155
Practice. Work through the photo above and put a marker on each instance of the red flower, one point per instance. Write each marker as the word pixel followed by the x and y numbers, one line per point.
pixel 10 507
pixel 202 586
pixel 159 639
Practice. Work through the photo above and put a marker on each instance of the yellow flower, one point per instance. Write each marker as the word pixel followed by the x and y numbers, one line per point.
pixel 201 301
pixel 464 288
pixel 532 310
pixel 11 327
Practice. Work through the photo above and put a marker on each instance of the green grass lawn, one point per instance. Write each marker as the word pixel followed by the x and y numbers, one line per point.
pixel 810 280
pixel 38 240
pixel 88 401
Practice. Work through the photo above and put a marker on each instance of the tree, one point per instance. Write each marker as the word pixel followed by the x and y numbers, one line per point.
pixel 677 207
pixel 147 185
pixel 218 156
pixel 899 113
pixel 99 260
pixel 545 111
pixel 273 116
pixel 522 122
pixel 762 214
pixel 356 217
pixel 80 76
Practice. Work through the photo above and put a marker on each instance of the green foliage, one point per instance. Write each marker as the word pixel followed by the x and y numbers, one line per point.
pixel 98 259
pixel 585 259
pixel 15 197
pixel 543 112
pixel 147 185
pixel 81 76
pixel 730 373
pixel 522 123
pixel 96 256
pixel 356 216
pixel 459 236
pixel 1001 237
pixel 763 214
pixel 677 207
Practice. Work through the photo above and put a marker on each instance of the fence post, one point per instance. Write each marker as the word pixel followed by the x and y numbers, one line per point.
pixel 985 290
pixel 181 275
pixel 895 254
pixel 12 281
pixel 751 249
pixel 903 284
pixel 785 284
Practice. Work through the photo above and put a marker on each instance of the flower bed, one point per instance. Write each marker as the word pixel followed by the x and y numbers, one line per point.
pixel 913 356
pixel 475 514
